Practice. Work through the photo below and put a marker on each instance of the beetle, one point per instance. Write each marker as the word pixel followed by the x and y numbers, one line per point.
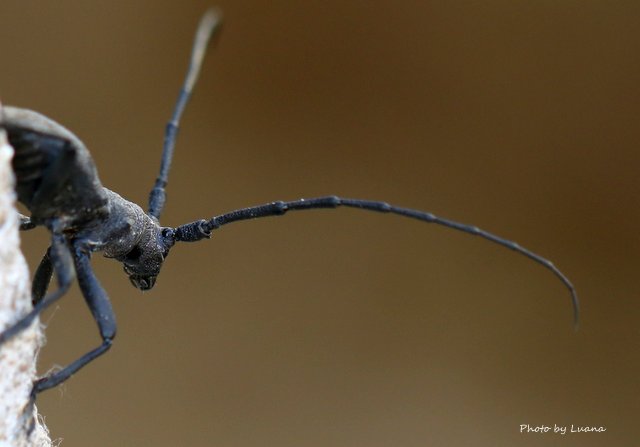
pixel 57 181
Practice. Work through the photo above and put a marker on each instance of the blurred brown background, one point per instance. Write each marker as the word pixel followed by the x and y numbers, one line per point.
pixel 344 328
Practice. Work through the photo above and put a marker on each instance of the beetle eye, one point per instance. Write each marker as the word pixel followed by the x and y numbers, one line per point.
pixel 134 254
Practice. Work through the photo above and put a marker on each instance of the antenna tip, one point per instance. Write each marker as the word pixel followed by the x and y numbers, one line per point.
pixel 209 25
pixel 211 17
pixel 576 311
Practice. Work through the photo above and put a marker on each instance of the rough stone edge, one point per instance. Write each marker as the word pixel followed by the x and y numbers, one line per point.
pixel 20 424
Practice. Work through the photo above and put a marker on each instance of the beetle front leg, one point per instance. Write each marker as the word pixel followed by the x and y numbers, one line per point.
pixel 100 307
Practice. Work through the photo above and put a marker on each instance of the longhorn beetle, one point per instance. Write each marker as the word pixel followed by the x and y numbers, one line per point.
pixel 57 181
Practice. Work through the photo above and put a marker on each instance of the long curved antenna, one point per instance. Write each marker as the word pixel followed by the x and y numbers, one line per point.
pixel 209 24
pixel 202 229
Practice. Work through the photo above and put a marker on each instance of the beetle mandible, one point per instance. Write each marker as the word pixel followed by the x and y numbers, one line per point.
pixel 57 181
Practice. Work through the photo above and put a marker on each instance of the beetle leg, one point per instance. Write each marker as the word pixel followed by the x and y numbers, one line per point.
pixel 42 278
pixel 100 307
pixel 60 261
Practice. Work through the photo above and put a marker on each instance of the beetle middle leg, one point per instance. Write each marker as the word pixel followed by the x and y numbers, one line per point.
pixel 61 262
pixel 100 306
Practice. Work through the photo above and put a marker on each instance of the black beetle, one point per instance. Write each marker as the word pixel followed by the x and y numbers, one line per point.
pixel 58 182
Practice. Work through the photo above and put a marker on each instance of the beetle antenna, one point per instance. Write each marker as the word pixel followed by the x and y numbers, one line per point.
pixel 202 229
pixel 209 24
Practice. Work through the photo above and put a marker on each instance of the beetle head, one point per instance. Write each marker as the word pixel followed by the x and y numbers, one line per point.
pixel 142 264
